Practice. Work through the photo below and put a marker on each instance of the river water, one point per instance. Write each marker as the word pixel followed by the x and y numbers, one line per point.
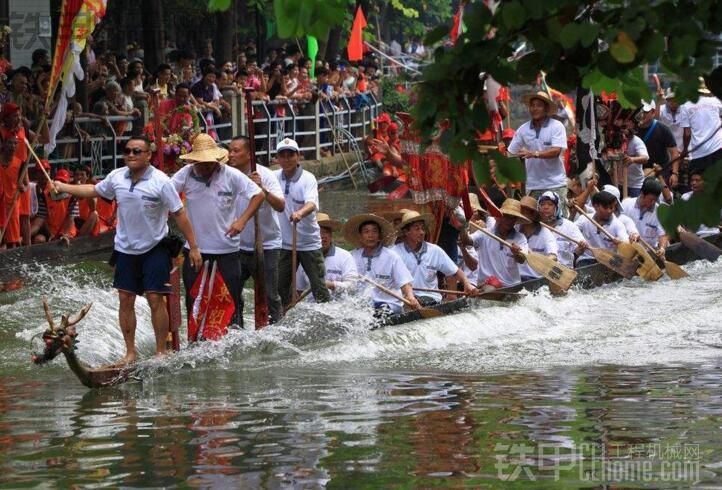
pixel 617 387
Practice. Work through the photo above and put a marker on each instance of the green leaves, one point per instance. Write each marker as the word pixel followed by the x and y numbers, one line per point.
pixel 296 18
pixel 513 14
pixel 623 49
pixel 218 5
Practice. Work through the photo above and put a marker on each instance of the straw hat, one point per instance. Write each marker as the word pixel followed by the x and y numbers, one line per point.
pixel 474 202
pixel 529 202
pixel 413 216
pixel 205 149
pixel 325 221
pixel 703 87
pixel 544 97
pixel 351 229
pixel 512 207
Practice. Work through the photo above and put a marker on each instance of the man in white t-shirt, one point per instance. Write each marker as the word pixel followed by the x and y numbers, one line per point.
pixel 643 211
pixel 702 123
pixel 212 191
pixel 628 222
pixel 424 260
pixel 549 214
pixel 371 234
pixel 239 157
pixel 300 191
pixel 144 195
pixel 498 262
pixel 604 205
pixel 539 239
pixel 541 143
pixel 340 267
pixel 634 159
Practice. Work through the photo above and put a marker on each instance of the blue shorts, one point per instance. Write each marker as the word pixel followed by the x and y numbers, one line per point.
pixel 144 273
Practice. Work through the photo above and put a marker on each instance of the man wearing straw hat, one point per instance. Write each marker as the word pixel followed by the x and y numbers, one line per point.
pixel 424 260
pixel 541 142
pixel 539 239
pixel 340 266
pixel 300 191
pixel 702 123
pixel 212 191
pixel 144 195
pixel 371 234
pixel 496 260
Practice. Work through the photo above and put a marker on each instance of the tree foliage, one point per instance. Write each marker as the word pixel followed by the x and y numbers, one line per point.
pixel 598 45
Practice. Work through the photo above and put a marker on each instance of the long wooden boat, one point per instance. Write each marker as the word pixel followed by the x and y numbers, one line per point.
pixel 80 249
pixel 63 339
pixel 589 276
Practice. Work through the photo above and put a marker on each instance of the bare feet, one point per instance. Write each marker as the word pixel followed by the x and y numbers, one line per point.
pixel 125 361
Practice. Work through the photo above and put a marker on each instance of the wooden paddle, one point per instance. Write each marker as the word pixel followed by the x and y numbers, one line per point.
pixel 552 270
pixel 698 245
pixel 300 298
pixel 294 265
pixel 621 265
pixel 673 270
pixel 261 312
pixel 54 194
pixel 425 312
pixel 627 250
pixel 492 295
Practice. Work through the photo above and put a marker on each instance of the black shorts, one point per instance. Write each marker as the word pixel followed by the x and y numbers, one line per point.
pixel 144 273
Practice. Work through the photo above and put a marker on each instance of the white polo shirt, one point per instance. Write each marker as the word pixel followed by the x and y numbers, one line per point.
pixel 595 237
pixel 213 206
pixel 703 119
pixel 635 174
pixel 703 230
pixel 267 216
pixel 628 223
pixel 542 241
pixel 542 173
pixel 142 208
pixel 386 268
pixel 496 259
pixel 470 274
pixel 565 247
pixel 647 222
pixel 424 264
pixel 299 190
pixel 340 268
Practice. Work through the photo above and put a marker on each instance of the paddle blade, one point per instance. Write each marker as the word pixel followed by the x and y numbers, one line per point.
pixel 430 313
pixel 699 246
pixel 623 266
pixel 674 270
pixel 380 183
pixel 552 270
pixel 648 268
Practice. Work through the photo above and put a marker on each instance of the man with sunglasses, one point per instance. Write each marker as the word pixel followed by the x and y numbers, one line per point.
pixel 300 191
pixel 144 195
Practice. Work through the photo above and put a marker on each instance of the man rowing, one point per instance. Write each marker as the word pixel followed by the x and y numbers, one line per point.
pixel 370 234
pixel 424 260
pixel 239 156
pixel 550 213
pixel 643 211
pixel 539 239
pixel 696 183
pixel 144 195
pixel 340 265
pixel 496 260
pixel 629 224
pixel 212 191
pixel 604 205
pixel 299 228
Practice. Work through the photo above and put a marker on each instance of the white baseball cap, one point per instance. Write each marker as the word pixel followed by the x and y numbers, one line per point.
pixel 287 144
pixel 614 190
pixel 648 106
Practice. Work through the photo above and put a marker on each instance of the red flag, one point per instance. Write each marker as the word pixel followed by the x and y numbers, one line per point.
pixel 213 310
pixel 355 48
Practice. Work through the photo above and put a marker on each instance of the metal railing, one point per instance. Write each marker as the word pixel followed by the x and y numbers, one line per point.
pixel 337 125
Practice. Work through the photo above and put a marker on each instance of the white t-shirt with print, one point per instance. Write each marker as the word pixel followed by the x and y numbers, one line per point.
pixel 496 259
pixel 542 173
pixel 542 242
pixel 703 119
pixel 298 190
pixel 384 267
pixel 596 238
pixel 340 268
pixel 267 216
pixel 424 264
pixel 647 223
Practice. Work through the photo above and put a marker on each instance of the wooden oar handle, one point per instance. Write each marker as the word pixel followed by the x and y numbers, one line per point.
pixel 37 160
pixel 442 291
pixel 487 232
pixel 561 234
pixel 386 290
pixel 603 229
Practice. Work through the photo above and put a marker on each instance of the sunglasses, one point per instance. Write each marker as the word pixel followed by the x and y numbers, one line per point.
pixel 134 151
